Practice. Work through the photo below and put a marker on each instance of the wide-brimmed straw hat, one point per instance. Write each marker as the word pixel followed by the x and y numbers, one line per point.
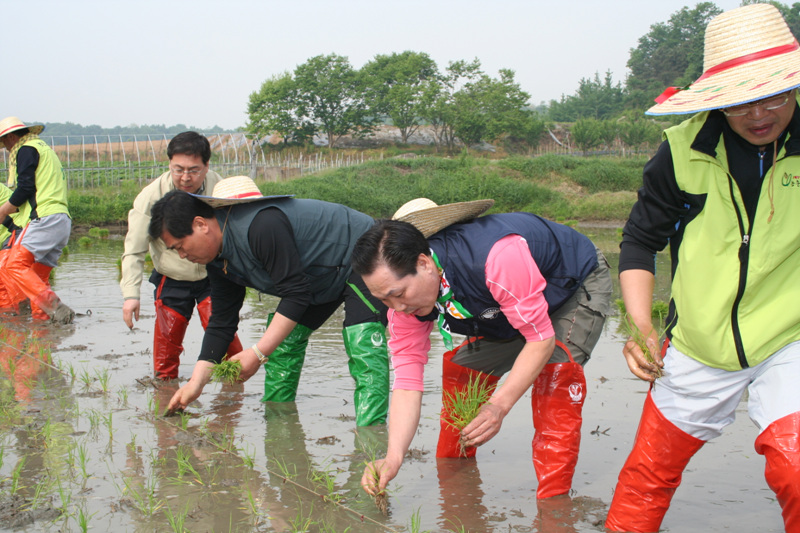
pixel 12 124
pixel 750 54
pixel 236 190
pixel 428 217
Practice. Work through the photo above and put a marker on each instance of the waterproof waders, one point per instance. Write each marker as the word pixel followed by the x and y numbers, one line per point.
pixel 368 361
pixel 282 370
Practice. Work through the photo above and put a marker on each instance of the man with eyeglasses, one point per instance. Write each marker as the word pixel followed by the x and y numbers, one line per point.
pixel 180 284
pixel 723 191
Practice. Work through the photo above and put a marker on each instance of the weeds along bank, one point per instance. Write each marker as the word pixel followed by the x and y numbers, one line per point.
pixel 555 186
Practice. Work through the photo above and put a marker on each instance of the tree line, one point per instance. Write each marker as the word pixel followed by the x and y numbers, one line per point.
pixel 326 95
pixel 461 103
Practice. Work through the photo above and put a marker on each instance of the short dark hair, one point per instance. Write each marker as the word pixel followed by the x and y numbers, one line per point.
pixel 190 143
pixel 392 242
pixel 175 213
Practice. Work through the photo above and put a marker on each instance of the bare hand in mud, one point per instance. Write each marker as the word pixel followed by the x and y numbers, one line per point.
pixel 172 412
pixel 377 475
pixel 638 363
pixel 485 426
pixel 183 397
pixel 130 310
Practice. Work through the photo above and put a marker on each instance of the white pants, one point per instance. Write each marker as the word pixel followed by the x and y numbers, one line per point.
pixel 702 400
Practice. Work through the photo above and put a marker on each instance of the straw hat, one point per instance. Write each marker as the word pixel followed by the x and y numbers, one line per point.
pixel 235 190
pixel 750 54
pixel 430 218
pixel 12 124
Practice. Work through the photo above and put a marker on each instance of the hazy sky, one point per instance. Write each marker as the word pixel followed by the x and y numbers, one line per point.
pixel 195 62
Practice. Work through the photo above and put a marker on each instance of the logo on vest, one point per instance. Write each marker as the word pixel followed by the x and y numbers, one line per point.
pixel 576 392
pixel 790 181
pixel 491 313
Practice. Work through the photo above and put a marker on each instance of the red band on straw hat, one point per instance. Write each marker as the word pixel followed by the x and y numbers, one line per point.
pixel 669 92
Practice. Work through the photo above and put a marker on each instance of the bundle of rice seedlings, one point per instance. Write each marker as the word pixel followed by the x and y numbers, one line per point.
pixel 636 335
pixel 227 372
pixel 463 406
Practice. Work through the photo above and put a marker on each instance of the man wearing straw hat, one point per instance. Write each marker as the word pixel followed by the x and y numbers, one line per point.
pixel 723 191
pixel 530 295
pixel 296 249
pixel 40 201
pixel 180 284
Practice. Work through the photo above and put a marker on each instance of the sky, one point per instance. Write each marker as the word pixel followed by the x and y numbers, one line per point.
pixel 196 62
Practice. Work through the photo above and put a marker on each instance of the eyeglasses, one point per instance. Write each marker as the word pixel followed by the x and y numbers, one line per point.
pixel 189 171
pixel 769 104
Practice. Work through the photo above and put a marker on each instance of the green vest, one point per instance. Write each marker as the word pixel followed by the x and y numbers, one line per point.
pixel 51 185
pixel 735 286
pixel 325 234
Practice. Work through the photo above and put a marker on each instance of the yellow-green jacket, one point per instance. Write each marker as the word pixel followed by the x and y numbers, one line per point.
pixel 735 288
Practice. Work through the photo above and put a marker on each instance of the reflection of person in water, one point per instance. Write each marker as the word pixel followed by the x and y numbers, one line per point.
pixel 21 357
pixel 461 496
pixel 530 294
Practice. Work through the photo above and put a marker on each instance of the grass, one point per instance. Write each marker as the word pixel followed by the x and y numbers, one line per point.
pixel 583 188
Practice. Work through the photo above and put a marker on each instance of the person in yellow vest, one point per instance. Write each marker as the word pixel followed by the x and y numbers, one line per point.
pixel 40 197
pixel 180 285
pixel 723 191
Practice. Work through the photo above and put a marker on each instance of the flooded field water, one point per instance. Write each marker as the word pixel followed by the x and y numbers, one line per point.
pixel 82 445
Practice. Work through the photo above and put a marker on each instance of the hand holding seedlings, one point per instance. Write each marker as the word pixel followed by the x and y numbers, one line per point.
pixel 227 372
pixel 641 351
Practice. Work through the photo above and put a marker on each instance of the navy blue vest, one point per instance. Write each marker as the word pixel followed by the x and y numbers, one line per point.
pixel 564 257
pixel 325 234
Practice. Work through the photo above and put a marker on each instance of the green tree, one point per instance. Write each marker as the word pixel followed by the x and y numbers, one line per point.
pixel 330 94
pixel 396 87
pixel 586 133
pixel 639 132
pixel 595 98
pixel 440 104
pixel 670 54
pixel 273 109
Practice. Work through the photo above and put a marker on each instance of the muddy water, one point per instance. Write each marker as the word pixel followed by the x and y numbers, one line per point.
pixel 82 445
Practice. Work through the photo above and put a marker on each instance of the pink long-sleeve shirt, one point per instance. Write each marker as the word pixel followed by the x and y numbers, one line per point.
pixel 512 278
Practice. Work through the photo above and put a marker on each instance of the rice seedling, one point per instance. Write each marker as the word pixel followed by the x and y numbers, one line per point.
pixel 144 497
pixel 301 523
pixel 122 394
pixel 288 471
pixel 177 521
pixel 109 422
pixel 462 406
pixel 253 506
pixel 248 456
pixel 381 498
pixel 182 458
pixel 102 377
pixel 640 339
pixel 86 379
pixel 227 372
pixel 16 475
pixel 83 518
pixel 183 419
pixel 325 479
pixel 83 459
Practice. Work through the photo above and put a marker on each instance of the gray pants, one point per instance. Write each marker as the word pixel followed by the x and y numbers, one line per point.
pixel 578 324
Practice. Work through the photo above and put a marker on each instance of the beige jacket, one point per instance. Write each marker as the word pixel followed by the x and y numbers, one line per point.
pixel 137 241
